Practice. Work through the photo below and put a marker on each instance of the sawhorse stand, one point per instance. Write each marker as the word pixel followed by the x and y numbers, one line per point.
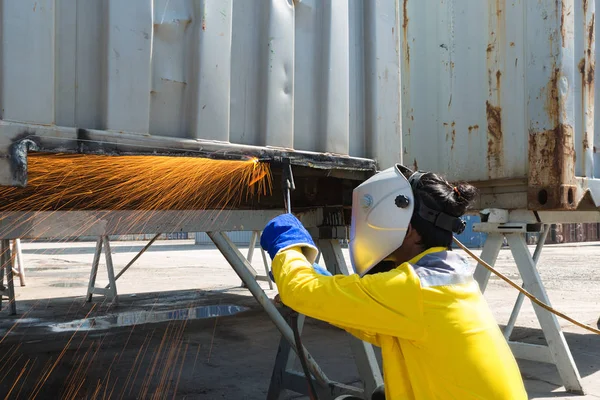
pixel 283 375
pixel 498 226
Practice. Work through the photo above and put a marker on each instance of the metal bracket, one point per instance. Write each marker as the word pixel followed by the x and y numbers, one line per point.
pixel 251 248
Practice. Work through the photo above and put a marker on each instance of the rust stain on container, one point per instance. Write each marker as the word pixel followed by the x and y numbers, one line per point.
pixel 551 157
pixel 495 152
pixel 563 10
pixel 551 94
pixel 473 127
pixel 405 29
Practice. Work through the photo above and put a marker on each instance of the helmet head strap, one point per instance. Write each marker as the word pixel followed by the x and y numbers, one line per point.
pixel 437 218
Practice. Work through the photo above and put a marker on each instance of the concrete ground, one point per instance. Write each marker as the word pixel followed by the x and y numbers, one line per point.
pixel 184 329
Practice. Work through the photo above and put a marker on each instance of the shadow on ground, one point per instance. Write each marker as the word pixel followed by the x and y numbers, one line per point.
pixel 543 380
pixel 188 355
pixel 189 344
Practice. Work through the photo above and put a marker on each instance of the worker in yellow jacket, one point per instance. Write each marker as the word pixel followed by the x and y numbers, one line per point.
pixel 411 294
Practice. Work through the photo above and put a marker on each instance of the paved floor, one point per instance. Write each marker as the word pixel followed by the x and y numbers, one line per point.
pixel 164 339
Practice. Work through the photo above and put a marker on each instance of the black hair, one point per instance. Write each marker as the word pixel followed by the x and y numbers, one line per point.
pixel 438 194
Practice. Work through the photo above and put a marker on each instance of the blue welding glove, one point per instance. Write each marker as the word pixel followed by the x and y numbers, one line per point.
pixel 319 269
pixel 283 233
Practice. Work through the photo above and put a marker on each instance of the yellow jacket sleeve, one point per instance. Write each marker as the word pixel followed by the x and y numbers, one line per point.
pixel 369 337
pixel 351 302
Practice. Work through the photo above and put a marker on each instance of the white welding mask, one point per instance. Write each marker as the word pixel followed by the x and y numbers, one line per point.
pixel 382 208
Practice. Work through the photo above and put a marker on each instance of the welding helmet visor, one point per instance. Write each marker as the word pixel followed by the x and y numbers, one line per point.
pixel 382 208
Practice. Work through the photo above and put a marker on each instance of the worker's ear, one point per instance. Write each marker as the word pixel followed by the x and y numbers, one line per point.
pixel 412 236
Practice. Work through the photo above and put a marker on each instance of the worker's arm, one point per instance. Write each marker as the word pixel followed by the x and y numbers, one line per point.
pixel 386 303
pixel 369 337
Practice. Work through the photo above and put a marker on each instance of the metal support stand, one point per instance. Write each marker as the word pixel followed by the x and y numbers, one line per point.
pixel 110 292
pixel 557 351
pixel 17 256
pixel 364 354
pixel 283 377
pixel 251 248
pixel 6 267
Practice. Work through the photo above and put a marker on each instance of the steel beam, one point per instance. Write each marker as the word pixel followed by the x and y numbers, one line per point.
pixel 71 224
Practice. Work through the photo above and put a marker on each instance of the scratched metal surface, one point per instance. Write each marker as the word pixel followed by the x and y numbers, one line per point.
pixel 310 75
pixel 502 93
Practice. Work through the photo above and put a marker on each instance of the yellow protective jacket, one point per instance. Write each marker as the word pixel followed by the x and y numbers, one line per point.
pixel 438 337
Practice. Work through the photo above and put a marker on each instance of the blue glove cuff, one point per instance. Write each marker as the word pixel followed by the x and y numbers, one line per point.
pixel 309 250
pixel 285 232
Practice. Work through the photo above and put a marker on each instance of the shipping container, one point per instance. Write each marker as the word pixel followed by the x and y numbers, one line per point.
pixel 215 76
pixel 499 93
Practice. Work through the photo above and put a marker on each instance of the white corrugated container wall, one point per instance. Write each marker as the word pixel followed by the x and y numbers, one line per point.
pixel 310 75
pixel 501 92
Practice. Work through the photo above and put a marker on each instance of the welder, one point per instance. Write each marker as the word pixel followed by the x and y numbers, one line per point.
pixel 410 294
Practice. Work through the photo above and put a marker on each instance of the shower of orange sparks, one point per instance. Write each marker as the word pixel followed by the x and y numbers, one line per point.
pixel 96 182
pixel 145 184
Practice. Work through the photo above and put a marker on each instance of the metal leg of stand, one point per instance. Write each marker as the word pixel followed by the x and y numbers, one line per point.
pixel 110 291
pixel 364 354
pixel 557 345
pixel 17 256
pixel 489 254
pixel 510 325
pixel 94 271
pixel 7 267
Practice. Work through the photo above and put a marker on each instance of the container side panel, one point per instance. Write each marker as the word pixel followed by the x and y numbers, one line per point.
pixel 334 135
pixel 422 133
pixel 461 74
pixel 279 76
pixel 27 75
pixel 66 61
pixel 510 80
pixel 249 50
pixel 210 70
pixel 128 65
pixel 596 136
pixel 357 132
pixel 90 65
pixel 382 79
pixel 310 79
pixel 584 86
pixel 321 76
pixel 173 24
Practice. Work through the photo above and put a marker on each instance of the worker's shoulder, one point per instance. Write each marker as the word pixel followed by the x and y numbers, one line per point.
pixel 442 268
